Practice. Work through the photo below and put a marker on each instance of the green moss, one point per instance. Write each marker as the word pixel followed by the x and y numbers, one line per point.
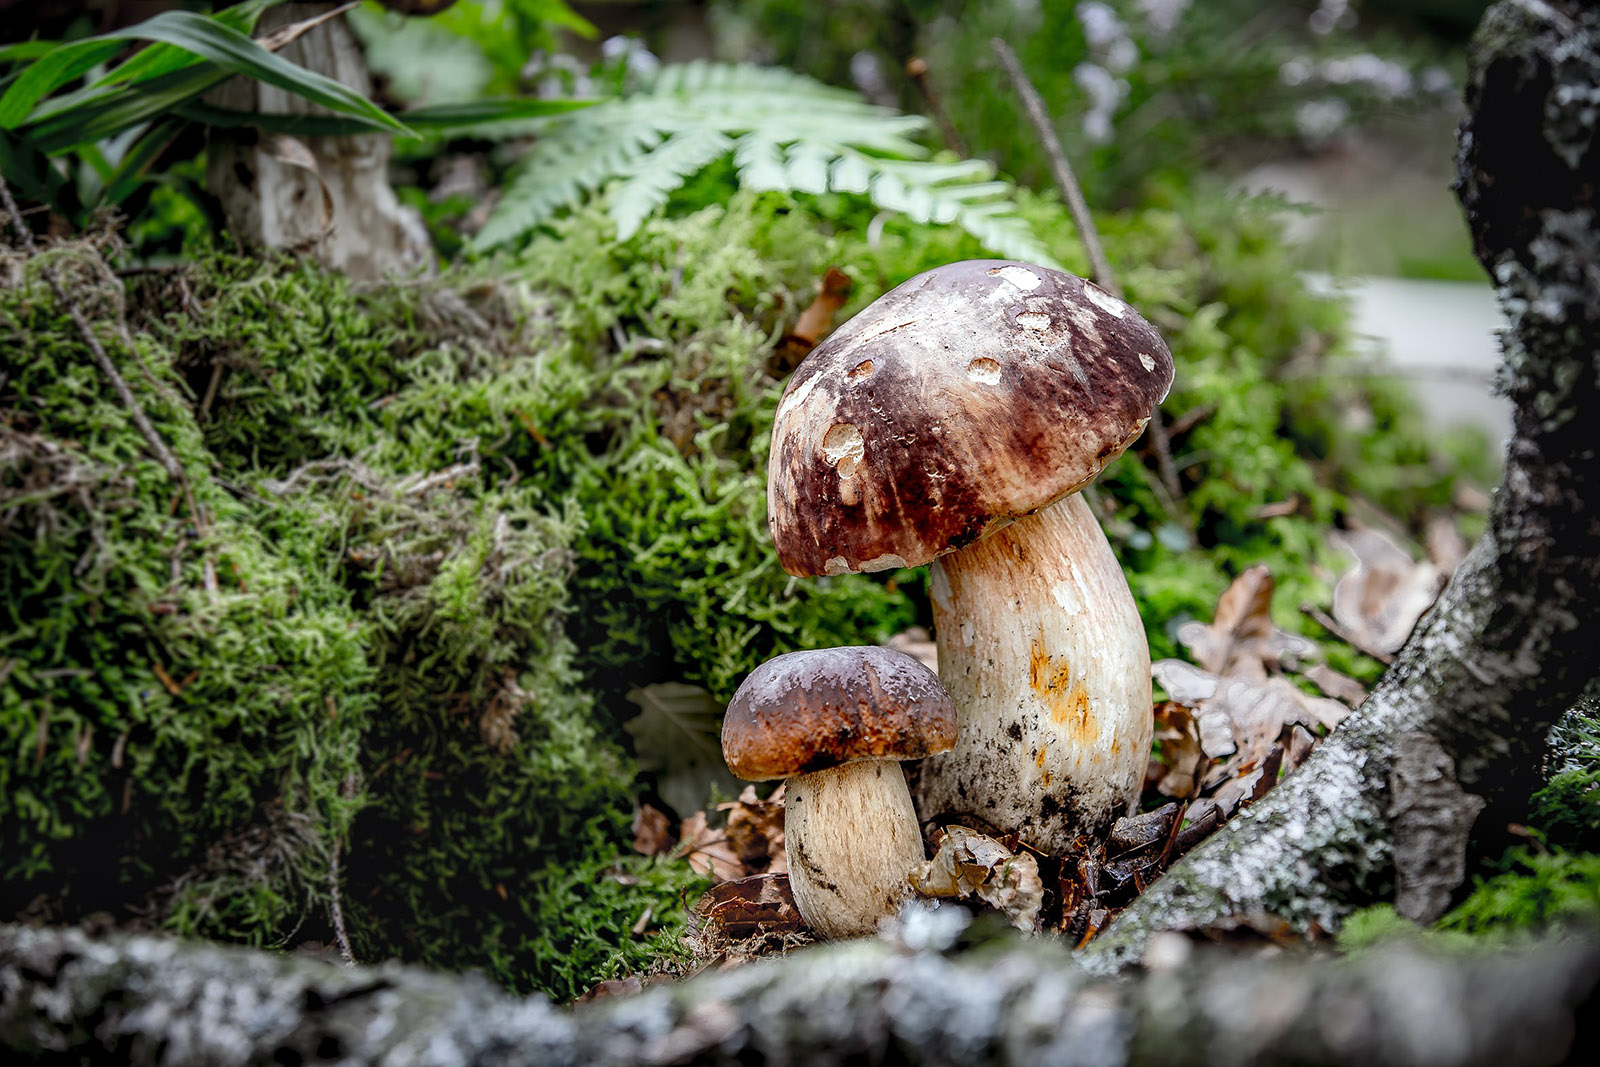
pixel 1535 889
pixel 169 672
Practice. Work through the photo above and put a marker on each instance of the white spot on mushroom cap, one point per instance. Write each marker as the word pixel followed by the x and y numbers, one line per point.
pixel 1104 300
pixel 1034 320
pixel 843 448
pixel 985 370
pixel 1148 363
pixel 1021 277
pixel 887 562
pixel 794 398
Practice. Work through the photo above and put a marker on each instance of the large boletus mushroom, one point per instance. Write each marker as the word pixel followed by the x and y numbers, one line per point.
pixel 835 722
pixel 953 421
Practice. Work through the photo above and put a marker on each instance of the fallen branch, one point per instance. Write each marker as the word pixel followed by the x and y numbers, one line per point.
pixel 149 1000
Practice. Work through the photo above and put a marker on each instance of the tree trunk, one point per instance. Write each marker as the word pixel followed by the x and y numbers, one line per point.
pixel 329 196
pixel 1453 733
pixel 145 1000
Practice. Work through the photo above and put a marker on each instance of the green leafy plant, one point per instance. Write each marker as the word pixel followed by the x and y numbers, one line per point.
pixel 113 125
pixel 783 131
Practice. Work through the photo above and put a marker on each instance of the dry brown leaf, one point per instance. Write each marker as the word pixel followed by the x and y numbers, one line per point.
pixel 1241 639
pixel 1182 757
pixel 708 850
pixel 1252 714
pixel 918 644
pixel 612 987
pixel 1446 547
pixel 652 831
pixel 756 906
pixel 1339 686
pixel 1380 599
pixel 1297 748
pixel 755 832
pixel 970 865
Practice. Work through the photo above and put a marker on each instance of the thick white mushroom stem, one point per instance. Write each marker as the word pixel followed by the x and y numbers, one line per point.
pixel 852 837
pixel 1042 651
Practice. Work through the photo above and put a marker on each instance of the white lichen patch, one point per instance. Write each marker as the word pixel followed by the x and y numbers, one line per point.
pixel 1021 277
pixel 1104 300
pixel 887 562
pixel 843 448
pixel 1034 320
pixel 985 370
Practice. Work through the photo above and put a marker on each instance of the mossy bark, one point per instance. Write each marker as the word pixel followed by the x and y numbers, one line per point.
pixel 1391 802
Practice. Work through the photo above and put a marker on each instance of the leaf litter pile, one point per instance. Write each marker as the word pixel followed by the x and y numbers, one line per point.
pixel 1247 711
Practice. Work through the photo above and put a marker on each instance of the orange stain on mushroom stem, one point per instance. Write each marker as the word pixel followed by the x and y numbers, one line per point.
pixel 1066 697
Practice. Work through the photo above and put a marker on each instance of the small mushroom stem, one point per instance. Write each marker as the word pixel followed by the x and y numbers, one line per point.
pixel 1044 655
pixel 852 837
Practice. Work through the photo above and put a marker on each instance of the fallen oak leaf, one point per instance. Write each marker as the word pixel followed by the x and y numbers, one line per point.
pixel 652 831
pixel 970 865
pixel 708 850
pixel 755 831
pixel 1379 600
pixel 1241 638
pixel 1182 757
pixel 754 906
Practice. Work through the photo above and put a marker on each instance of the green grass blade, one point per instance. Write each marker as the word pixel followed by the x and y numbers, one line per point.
pixel 441 119
pixel 164 58
pixel 229 52
pixel 50 72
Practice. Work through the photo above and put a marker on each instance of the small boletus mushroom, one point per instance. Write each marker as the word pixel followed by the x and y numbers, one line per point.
pixel 953 421
pixel 835 722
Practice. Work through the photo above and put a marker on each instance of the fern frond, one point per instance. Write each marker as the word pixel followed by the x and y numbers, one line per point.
pixel 651 178
pixel 786 132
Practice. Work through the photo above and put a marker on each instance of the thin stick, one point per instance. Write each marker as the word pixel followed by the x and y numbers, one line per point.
pixel 917 69
pixel 1099 266
pixel 335 901
pixel 109 369
pixel 1066 181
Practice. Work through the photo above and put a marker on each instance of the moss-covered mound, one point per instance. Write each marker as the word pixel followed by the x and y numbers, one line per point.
pixel 374 645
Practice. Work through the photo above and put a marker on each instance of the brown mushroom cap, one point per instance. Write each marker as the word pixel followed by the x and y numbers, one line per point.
pixel 971 395
pixel 807 711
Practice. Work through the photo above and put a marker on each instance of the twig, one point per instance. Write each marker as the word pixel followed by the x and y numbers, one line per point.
pixel 438 478
pixel 1099 266
pixel 335 901
pixel 1066 181
pixel 1330 624
pixel 163 455
pixel 284 35
pixel 917 69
